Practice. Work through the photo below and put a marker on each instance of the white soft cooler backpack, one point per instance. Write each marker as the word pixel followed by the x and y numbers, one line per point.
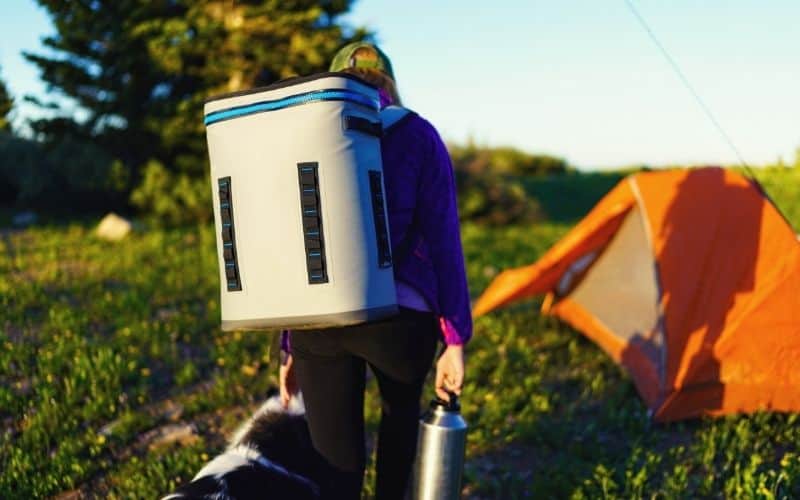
pixel 299 206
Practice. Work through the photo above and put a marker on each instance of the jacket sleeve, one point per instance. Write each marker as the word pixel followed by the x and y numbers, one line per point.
pixel 438 220
pixel 286 345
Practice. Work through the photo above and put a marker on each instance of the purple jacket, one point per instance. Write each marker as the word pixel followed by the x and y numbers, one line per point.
pixel 421 199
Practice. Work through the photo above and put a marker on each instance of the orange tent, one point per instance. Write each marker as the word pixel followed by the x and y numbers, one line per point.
pixel 691 280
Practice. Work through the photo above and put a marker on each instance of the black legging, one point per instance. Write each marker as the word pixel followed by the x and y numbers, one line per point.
pixel 330 369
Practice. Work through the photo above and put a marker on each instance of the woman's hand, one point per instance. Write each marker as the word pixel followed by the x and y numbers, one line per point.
pixel 450 372
pixel 288 384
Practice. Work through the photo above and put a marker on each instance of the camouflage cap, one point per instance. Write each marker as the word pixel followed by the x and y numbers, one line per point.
pixel 346 58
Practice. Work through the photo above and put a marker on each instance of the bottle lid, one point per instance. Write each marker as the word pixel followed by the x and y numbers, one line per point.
pixel 452 406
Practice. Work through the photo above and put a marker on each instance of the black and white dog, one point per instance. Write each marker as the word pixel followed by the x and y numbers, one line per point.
pixel 269 457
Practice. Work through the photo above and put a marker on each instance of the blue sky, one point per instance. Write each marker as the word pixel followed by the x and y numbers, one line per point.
pixel 574 78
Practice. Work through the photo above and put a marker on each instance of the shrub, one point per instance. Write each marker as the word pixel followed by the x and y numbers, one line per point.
pixel 505 160
pixel 65 173
pixel 172 198
pixel 489 184
pixel 494 199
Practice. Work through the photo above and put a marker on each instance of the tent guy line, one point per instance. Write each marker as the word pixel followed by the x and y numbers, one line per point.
pixel 701 102
pixel 685 80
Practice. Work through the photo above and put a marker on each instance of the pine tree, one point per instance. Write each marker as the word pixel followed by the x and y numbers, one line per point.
pixel 6 103
pixel 140 71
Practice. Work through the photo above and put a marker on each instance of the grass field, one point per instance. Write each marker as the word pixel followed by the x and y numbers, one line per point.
pixel 116 381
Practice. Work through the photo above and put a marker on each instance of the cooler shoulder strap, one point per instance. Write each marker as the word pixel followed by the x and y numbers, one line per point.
pixel 392 115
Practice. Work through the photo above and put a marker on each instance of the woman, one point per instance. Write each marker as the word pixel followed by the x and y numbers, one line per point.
pixel 329 365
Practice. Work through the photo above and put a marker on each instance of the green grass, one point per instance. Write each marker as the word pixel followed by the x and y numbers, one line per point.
pixel 782 185
pixel 103 346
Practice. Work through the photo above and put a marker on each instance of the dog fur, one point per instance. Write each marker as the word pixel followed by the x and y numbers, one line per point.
pixel 269 457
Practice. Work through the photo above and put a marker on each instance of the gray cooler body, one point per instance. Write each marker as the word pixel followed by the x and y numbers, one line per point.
pixel 299 205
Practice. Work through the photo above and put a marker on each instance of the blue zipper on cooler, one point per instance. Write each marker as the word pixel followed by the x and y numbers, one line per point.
pixel 294 100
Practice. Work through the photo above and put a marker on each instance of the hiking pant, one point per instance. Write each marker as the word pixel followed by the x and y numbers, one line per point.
pixel 330 366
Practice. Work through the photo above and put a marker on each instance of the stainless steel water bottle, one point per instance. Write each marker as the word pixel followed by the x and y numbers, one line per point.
pixel 440 452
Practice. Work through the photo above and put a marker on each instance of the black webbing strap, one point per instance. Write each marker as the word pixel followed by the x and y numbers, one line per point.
pixel 363 125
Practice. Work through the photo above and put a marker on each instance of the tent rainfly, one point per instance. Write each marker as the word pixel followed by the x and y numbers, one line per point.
pixel 690 279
